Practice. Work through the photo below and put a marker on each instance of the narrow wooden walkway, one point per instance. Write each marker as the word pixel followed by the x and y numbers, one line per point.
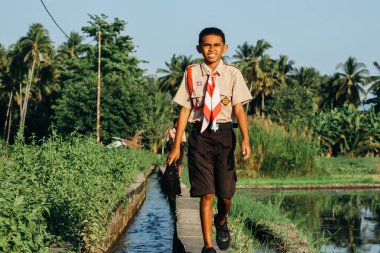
pixel 188 223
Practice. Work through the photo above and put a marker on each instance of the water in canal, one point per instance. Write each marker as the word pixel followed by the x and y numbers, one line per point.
pixel 349 219
pixel 152 229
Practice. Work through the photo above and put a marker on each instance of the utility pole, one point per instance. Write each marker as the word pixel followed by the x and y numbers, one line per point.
pixel 98 100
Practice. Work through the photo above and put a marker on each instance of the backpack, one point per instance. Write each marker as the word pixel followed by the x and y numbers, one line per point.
pixel 170 184
pixel 190 85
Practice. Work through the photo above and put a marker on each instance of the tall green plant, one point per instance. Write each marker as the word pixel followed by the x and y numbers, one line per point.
pixel 276 152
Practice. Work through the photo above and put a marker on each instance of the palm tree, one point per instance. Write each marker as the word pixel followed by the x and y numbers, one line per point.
pixel 375 89
pixel 265 82
pixel 72 48
pixel 262 75
pixel 5 86
pixel 350 81
pixel 47 81
pixel 244 52
pixel 254 65
pixel 309 79
pixel 10 74
pixel 376 79
pixel 306 77
pixel 283 66
pixel 244 55
pixel 173 75
pixel 35 48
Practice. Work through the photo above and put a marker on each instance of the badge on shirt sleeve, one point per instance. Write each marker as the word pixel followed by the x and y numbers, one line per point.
pixel 225 101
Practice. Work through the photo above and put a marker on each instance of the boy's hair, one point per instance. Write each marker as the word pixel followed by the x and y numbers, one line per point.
pixel 211 31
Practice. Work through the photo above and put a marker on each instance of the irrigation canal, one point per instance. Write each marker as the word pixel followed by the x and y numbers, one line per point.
pixel 153 227
pixel 350 219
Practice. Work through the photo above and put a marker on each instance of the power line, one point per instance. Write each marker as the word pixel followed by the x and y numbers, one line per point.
pixel 54 19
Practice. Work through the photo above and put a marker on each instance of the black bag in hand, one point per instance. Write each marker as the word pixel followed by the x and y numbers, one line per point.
pixel 170 183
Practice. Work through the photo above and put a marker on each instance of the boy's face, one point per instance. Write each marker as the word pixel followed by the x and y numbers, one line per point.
pixel 212 49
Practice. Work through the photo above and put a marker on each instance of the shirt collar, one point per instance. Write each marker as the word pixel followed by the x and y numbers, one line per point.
pixel 207 71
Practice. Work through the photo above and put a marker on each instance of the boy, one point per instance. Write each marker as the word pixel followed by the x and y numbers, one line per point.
pixel 211 94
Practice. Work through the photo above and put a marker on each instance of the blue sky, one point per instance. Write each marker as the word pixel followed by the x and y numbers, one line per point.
pixel 314 33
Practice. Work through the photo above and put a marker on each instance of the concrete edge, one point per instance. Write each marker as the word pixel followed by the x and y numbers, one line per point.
pixel 125 211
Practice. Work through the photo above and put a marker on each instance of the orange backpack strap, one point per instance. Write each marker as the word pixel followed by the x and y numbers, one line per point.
pixel 190 85
pixel 190 80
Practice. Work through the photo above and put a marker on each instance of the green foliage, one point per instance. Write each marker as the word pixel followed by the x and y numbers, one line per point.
pixel 160 117
pixel 63 188
pixel 348 131
pixel 291 107
pixel 375 100
pixel 172 76
pixel 126 100
pixel 375 89
pixel 276 152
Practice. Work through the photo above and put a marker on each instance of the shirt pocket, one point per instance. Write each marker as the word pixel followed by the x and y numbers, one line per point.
pixel 197 98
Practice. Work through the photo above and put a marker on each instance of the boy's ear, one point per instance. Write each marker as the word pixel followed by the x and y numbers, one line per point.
pixel 199 49
pixel 225 48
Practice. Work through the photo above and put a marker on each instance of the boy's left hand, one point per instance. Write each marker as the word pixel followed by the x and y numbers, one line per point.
pixel 246 149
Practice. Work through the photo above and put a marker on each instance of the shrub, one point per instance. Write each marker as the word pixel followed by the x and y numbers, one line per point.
pixel 62 189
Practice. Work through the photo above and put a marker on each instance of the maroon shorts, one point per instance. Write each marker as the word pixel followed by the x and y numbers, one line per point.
pixel 211 162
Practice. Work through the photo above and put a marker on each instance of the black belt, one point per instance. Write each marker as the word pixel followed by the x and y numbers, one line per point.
pixel 221 126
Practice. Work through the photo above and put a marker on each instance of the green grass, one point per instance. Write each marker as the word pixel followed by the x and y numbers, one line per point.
pixel 349 165
pixel 303 180
pixel 248 210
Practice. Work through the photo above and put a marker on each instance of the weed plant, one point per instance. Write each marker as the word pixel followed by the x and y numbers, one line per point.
pixel 62 190
pixel 276 153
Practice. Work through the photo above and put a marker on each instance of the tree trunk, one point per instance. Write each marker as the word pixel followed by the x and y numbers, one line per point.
pixel 7 115
pixel 262 103
pixel 9 126
pixel 26 98
pixel 98 93
pixel 21 101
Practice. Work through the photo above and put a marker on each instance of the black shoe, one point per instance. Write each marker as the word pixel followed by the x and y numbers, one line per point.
pixel 208 250
pixel 223 237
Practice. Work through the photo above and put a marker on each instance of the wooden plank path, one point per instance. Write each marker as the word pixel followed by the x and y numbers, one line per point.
pixel 189 224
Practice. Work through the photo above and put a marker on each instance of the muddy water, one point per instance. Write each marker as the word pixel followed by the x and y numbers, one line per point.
pixel 152 229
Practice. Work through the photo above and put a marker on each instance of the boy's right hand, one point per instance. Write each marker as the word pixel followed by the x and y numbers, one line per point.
pixel 173 155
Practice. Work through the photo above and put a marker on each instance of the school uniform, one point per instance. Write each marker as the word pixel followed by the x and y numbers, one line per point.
pixel 211 152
